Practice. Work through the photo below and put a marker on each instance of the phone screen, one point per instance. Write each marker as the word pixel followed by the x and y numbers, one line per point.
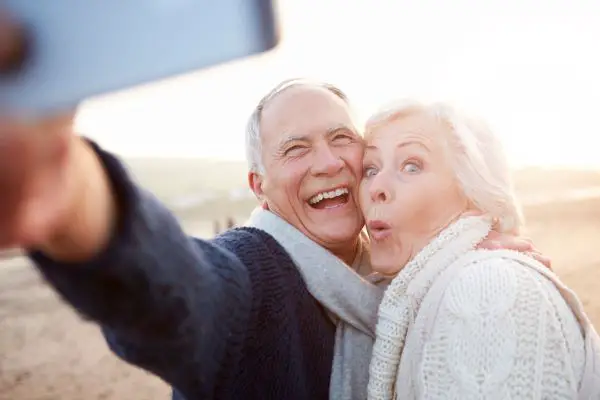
pixel 80 49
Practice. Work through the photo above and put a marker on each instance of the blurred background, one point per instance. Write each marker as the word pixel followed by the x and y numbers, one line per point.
pixel 529 68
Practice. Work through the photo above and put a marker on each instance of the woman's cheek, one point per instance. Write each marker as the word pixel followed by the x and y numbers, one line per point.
pixel 363 195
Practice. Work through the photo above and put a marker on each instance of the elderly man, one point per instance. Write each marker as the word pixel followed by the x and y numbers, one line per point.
pixel 231 318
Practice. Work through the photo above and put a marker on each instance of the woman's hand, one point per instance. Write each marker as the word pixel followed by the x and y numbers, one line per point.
pixel 496 241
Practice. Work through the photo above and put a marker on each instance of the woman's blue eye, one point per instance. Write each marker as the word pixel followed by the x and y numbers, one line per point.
pixel 369 172
pixel 411 167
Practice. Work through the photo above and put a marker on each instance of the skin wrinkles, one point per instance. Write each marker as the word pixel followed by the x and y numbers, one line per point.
pixel 310 145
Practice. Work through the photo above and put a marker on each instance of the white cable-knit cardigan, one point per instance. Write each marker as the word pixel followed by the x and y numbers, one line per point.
pixel 459 323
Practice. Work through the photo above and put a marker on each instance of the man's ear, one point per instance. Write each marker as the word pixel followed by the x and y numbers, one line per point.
pixel 255 181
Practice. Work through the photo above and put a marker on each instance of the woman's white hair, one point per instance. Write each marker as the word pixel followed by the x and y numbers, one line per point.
pixel 477 156
pixel 253 139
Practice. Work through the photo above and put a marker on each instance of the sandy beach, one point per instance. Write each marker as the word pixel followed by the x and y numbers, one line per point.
pixel 48 352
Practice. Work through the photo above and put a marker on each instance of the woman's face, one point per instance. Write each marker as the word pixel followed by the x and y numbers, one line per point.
pixel 409 192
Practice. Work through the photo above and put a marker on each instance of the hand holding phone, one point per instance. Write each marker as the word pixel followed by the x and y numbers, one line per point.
pixel 35 184
pixel 55 54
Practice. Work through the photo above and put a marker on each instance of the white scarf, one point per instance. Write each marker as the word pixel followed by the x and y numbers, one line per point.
pixel 411 301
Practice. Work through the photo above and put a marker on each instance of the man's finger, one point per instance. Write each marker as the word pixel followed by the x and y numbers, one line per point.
pixel 14 44
pixel 541 259
pixel 490 245
pixel 526 239
pixel 519 245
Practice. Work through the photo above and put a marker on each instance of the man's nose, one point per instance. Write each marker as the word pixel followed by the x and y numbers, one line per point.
pixel 326 162
pixel 379 189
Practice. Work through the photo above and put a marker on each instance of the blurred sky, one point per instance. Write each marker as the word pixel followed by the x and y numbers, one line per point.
pixel 530 67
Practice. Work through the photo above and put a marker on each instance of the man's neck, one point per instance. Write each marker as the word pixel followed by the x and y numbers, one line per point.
pixel 349 252
pixel 346 252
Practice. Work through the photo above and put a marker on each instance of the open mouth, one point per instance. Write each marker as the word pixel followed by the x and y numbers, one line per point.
pixel 330 199
pixel 379 230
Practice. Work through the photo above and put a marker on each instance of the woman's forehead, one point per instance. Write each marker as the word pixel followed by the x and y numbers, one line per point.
pixel 414 127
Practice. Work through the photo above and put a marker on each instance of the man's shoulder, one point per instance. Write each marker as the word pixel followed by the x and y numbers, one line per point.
pixel 243 233
pixel 247 239
pixel 253 246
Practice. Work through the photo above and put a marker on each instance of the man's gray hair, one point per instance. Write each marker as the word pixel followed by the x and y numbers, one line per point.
pixel 478 158
pixel 253 138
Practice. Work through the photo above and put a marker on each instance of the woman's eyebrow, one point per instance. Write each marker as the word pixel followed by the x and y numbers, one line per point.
pixel 412 143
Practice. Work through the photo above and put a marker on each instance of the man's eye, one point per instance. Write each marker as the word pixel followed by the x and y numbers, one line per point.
pixel 411 167
pixel 346 139
pixel 294 150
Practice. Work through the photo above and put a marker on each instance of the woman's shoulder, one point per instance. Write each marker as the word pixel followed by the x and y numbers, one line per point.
pixel 500 315
pixel 518 294
pixel 487 286
pixel 501 278
pixel 512 266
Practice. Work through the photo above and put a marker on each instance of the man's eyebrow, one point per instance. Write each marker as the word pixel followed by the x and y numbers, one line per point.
pixel 284 142
pixel 305 138
pixel 341 128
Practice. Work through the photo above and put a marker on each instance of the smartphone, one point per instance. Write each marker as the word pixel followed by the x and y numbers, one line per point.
pixel 77 49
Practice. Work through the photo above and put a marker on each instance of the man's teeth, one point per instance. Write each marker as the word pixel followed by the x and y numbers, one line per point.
pixel 327 195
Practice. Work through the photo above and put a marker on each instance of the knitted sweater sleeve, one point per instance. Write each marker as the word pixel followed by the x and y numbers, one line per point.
pixel 171 304
pixel 502 331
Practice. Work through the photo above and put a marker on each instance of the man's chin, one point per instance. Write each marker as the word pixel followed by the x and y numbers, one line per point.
pixel 332 234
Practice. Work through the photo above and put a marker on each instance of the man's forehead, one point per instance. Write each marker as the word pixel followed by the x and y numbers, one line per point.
pixel 292 101
pixel 304 111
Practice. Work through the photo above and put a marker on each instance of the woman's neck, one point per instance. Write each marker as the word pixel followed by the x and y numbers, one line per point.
pixel 420 242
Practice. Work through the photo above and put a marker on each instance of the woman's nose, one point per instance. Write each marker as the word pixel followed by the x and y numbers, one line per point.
pixel 379 189
pixel 326 162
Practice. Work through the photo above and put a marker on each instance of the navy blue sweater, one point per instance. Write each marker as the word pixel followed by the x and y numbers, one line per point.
pixel 228 318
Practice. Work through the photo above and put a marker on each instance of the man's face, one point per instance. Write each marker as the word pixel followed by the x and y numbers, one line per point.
pixel 312 156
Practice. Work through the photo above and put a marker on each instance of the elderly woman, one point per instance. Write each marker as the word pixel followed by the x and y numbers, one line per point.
pixel 457 322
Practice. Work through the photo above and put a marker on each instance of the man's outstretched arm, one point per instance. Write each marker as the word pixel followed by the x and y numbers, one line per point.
pixel 168 303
